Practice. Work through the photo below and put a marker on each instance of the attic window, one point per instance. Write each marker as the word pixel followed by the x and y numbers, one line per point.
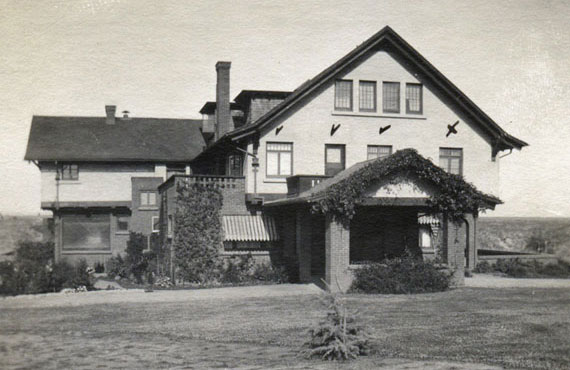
pixel 391 97
pixel 414 98
pixel 68 172
pixel 343 95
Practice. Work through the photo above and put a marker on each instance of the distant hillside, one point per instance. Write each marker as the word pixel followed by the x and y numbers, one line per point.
pixel 519 233
pixel 16 228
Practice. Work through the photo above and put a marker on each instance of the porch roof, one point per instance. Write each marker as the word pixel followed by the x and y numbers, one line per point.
pixel 319 191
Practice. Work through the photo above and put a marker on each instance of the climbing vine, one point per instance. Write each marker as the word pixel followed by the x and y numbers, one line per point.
pixel 454 197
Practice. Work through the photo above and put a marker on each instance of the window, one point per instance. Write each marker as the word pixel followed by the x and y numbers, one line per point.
pixel 235 165
pixel 155 224
pixel 68 172
pixel 279 159
pixel 391 97
pixel 343 95
pixel 425 236
pixel 414 99
pixel 148 198
pixel 367 96
pixel 86 232
pixel 379 151
pixel 451 160
pixel 123 223
pixel 170 226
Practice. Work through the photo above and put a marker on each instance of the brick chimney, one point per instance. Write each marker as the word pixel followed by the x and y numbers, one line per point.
pixel 224 122
pixel 110 112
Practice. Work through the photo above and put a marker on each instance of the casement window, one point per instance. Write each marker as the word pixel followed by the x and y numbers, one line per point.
pixel 451 160
pixel 123 223
pixel 379 151
pixel 391 97
pixel 148 199
pixel 343 95
pixel 68 172
pixel 155 224
pixel 235 164
pixel 367 96
pixel 414 99
pixel 279 159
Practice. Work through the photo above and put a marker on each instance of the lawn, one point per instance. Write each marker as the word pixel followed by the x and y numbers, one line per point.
pixel 514 328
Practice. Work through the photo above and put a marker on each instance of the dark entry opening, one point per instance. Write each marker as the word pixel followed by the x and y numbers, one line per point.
pixel 318 256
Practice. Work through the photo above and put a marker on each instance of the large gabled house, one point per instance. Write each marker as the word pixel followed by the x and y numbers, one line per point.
pixel 275 155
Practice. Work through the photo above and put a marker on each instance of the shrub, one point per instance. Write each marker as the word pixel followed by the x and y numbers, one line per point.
pixel 99 268
pixel 337 337
pixel 400 276
pixel 135 260
pixel 515 267
pixel 483 267
pixel 116 266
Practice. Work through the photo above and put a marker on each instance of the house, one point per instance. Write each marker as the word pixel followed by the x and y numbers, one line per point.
pixel 99 176
pixel 276 156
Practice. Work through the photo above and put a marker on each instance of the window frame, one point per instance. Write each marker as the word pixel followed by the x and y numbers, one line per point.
pixel 147 193
pixel 377 146
pixel 351 98
pixel 391 83
pixel 152 223
pixel 421 97
pixel 68 175
pixel 448 157
pixel 232 157
pixel 267 151
pixel 374 96
pixel 118 223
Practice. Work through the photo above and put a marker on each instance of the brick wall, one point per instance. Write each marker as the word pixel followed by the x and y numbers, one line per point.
pixel 337 249
pixel 141 217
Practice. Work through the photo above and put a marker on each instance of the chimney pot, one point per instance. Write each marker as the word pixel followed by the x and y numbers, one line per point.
pixel 110 114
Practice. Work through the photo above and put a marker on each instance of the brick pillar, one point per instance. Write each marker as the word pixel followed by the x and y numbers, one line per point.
pixel 337 249
pixel 471 247
pixel 455 242
pixel 303 242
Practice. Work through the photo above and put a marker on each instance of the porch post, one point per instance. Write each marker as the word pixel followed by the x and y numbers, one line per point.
pixel 337 249
pixel 455 242
pixel 471 252
pixel 303 242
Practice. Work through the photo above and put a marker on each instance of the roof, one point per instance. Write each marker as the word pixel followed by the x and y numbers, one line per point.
pixel 387 38
pixel 319 190
pixel 134 139
pixel 245 95
pixel 210 107
pixel 249 228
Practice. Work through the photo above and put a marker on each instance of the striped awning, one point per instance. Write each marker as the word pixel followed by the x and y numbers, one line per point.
pixel 259 228
pixel 428 220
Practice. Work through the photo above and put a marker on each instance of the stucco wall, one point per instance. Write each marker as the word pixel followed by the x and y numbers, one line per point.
pixel 308 126
pixel 97 182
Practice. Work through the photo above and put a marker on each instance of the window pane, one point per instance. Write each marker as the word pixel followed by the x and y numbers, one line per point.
pixel 81 232
pixel 367 95
pixel 122 223
pixel 279 146
pixel 391 97
pixel 334 155
pixel 413 98
pixel 454 166
pixel 155 224
pixel 343 95
pixel 151 199
pixel 272 160
pixel 379 151
pixel 285 165
pixel 450 160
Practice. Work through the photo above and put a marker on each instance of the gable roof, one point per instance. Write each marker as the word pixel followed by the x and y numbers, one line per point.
pixel 389 39
pixel 134 139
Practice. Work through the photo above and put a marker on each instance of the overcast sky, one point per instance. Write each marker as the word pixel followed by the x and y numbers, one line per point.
pixel 156 59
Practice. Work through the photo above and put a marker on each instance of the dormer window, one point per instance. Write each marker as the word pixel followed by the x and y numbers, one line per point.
pixel 414 99
pixel 391 97
pixel 343 95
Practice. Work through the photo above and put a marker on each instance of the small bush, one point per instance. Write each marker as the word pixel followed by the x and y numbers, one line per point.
pixel 400 276
pixel 338 337
pixel 483 267
pixel 517 268
pixel 135 258
pixel 242 269
pixel 99 268
pixel 116 266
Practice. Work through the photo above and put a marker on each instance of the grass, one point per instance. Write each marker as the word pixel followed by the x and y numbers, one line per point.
pixel 515 328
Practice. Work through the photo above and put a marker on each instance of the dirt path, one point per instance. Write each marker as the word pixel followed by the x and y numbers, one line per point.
pixel 491 281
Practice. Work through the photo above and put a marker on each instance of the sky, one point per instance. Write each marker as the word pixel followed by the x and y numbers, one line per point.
pixel 157 58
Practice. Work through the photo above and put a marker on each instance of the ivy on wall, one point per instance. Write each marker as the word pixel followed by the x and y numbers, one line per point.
pixel 197 235
pixel 454 196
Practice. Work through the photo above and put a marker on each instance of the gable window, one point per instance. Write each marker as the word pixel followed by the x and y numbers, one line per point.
pixel 123 223
pixel 68 172
pixel 279 159
pixel 451 160
pixel 379 151
pixel 148 198
pixel 367 96
pixel 343 95
pixel 391 97
pixel 235 165
pixel 414 103
pixel 155 224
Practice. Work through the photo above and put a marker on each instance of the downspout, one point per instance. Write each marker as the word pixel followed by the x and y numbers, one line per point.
pixel 59 240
